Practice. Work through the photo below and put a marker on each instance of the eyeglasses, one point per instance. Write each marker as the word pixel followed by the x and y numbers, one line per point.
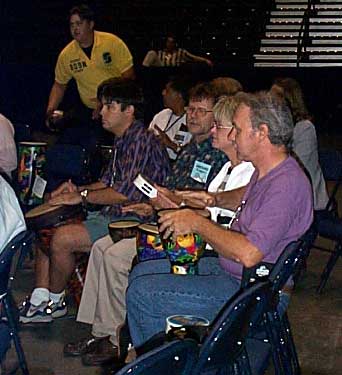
pixel 219 125
pixel 201 112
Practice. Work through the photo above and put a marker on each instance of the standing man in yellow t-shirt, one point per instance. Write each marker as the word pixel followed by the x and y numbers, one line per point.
pixel 91 58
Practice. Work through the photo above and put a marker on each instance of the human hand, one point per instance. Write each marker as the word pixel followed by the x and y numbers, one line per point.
pixel 52 117
pixel 65 187
pixel 164 138
pixel 69 199
pixel 177 223
pixel 198 199
pixel 142 209
pixel 165 199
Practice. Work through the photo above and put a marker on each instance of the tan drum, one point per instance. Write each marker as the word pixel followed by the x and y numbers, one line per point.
pixel 45 219
pixel 184 251
pixel 123 229
pixel 149 245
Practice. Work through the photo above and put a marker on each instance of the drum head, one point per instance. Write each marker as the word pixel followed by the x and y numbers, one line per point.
pixel 151 228
pixel 32 144
pixel 123 224
pixel 47 216
pixel 41 210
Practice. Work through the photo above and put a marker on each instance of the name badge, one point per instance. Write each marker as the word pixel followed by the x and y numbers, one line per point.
pixel 200 171
pixel 182 137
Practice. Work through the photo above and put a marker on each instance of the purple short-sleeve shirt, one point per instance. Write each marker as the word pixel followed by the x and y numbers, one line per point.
pixel 278 210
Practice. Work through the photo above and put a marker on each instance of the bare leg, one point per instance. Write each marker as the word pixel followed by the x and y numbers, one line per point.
pixel 67 240
pixel 42 265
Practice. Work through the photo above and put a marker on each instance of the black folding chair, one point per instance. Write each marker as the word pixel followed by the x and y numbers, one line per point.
pixel 327 222
pixel 276 329
pixel 224 349
pixel 10 258
pixel 173 358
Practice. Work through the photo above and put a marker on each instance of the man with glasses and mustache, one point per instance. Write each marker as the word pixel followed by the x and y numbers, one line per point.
pixel 275 209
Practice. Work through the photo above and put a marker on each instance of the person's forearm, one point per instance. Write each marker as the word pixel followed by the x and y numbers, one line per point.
pixel 56 96
pixel 94 186
pixel 229 199
pixel 106 196
pixel 228 243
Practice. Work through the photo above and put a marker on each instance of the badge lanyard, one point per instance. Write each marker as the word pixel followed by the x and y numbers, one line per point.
pixel 168 125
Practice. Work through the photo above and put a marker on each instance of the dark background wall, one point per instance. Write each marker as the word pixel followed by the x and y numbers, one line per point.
pixel 33 33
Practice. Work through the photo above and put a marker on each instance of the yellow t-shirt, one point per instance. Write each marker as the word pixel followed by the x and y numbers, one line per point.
pixel 110 57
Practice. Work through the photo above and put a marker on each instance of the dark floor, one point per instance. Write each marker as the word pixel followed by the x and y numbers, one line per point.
pixel 316 321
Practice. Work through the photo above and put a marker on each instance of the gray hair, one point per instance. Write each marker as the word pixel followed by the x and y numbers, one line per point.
pixel 265 108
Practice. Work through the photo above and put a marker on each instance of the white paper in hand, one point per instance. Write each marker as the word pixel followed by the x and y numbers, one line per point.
pixel 145 187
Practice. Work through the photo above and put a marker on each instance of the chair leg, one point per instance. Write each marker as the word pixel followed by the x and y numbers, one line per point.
pixel 16 338
pixel 291 348
pixel 329 266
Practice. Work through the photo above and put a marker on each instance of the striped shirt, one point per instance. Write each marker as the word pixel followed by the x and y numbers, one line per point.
pixel 137 151
pixel 176 58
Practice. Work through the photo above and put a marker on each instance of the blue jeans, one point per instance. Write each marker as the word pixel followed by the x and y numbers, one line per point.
pixel 154 294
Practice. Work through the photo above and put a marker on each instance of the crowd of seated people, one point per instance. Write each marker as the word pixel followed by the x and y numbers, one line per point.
pixel 212 147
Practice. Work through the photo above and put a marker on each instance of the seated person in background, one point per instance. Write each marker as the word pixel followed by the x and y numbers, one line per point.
pixel 8 150
pixel 226 86
pixel 135 150
pixel 171 55
pixel 169 125
pixel 11 218
pixel 304 136
pixel 103 297
pixel 92 57
pixel 275 209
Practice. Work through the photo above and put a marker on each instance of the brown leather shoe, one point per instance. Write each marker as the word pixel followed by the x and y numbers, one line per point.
pixel 83 346
pixel 104 353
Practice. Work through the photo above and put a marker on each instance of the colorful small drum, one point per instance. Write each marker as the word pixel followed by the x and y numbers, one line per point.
pixel 185 251
pixel 123 229
pixel 31 164
pixel 45 219
pixel 149 244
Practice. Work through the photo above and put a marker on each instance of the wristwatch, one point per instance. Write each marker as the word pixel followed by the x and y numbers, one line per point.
pixel 84 195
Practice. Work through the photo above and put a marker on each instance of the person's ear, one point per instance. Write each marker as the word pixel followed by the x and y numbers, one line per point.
pixel 129 110
pixel 92 25
pixel 263 131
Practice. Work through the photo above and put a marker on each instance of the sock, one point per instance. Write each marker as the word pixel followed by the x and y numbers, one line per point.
pixel 39 295
pixel 56 297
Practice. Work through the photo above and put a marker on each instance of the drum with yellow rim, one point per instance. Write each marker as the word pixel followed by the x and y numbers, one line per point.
pixel 149 244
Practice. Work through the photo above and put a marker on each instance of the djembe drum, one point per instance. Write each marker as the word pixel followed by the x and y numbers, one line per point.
pixel 31 164
pixel 45 220
pixel 184 251
pixel 149 244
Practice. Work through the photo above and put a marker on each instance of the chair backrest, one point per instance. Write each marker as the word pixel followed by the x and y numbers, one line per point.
pixel 174 358
pixel 331 165
pixel 286 264
pixel 226 340
pixel 12 256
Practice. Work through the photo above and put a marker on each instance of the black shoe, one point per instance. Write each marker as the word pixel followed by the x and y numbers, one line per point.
pixel 84 346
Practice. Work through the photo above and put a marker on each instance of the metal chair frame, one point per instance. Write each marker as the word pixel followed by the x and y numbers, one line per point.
pixel 10 258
